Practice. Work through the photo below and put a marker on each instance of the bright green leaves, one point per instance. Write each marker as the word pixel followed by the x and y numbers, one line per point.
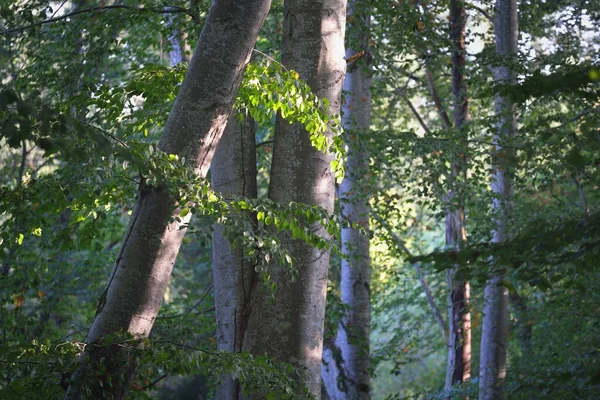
pixel 268 89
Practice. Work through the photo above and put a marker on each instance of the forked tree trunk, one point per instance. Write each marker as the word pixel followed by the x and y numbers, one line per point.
pixel 233 172
pixel 143 268
pixel 290 329
pixel 494 337
pixel 459 317
pixel 346 376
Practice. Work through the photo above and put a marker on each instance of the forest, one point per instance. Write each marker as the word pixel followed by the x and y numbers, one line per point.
pixel 300 199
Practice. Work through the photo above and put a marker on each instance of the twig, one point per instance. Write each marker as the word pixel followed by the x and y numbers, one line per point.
pixel 480 10
pixel 416 114
pixel 23 162
pixel 266 142
pixel 199 301
pixel 110 135
pixel 270 58
pixel 436 99
pixel 154 382
pixel 169 10
pixel 189 310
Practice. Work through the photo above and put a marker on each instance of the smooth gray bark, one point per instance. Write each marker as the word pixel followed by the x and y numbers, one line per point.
pixel 143 268
pixel 459 317
pixel 346 375
pixel 290 327
pixel 233 172
pixel 492 372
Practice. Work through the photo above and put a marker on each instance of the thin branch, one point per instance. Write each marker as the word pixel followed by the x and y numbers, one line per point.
pixel 436 99
pixel 166 10
pixel 430 299
pixel 480 10
pixel 192 308
pixel 154 382
pixel 416 114
pixel 584 201
pixel 110 135
pixel 270 58
pixel 266 142
pixel 199 301
pixel 23 162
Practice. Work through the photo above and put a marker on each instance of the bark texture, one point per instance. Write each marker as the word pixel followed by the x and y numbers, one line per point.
pixel 143 269
pixel 290 327
pixel 492 372
pixel 233 172
pixel 459 317
pixel 346 374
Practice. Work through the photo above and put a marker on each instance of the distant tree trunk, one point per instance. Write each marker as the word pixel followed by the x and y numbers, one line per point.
pixel 180 48
pixel 290 329
pixel 523 320
pixel 495 313
pixel 352 340
pixel 459 317
pixel 233 172
pixel 142 271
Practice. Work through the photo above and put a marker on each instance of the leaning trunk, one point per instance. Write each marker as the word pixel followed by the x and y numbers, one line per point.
pixel 458 369
pixel 291 328
pixel 143 268
pixel 492 372
pixel 233 172
pixel 346 375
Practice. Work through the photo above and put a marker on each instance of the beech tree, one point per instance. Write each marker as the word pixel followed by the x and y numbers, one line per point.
pixel 142 270
pixel 233 172
pixel 289 328
pixel 346 361
pixel 494 335
pixel 459 316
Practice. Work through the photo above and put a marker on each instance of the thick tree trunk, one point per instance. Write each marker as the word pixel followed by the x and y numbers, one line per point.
pixel 142 271
pixel 459 317
pixel 233 172
pixel 347 376
pixel 492 372
pixel 290 329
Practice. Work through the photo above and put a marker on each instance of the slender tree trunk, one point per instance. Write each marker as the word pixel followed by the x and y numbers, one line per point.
pixel 352 340
pixel 143 268
pixel 233 172
pixel 290 329
pixel 459 317
pixel 492 372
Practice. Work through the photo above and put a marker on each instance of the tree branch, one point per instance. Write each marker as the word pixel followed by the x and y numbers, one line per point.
pixel 416 114
pixel 166 10
pixel 436 99
pixel 479 10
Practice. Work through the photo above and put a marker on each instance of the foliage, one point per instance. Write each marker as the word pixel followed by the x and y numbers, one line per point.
pixel 83 100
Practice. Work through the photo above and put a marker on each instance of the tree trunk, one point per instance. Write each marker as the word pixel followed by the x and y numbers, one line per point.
pixel 141 274
pixel 459 317
pixel 523 323
pixel 290 329
pixel 347 376
pixel 494 336
pixel 180 48
pixel 233 172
